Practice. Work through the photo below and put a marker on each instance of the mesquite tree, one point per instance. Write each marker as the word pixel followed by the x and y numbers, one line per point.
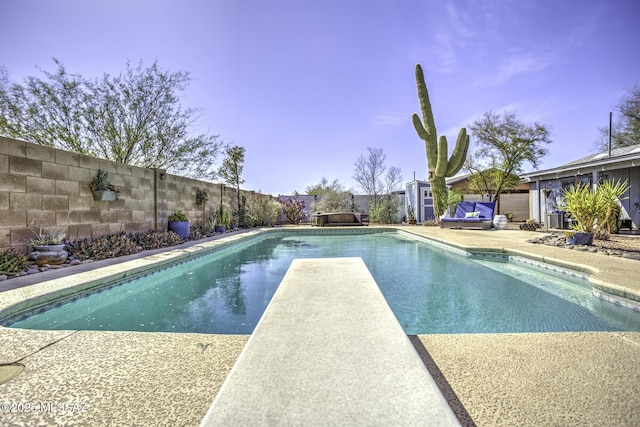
pixel 505 144
pixel 134 117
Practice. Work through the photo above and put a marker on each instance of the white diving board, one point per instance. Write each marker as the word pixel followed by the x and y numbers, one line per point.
pixel 329 351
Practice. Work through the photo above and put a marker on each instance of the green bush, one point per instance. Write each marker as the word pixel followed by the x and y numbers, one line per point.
pixel 263 211
pixel 385 211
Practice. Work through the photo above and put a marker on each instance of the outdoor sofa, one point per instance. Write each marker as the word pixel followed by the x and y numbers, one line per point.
pixel 339 218
pixel 471 215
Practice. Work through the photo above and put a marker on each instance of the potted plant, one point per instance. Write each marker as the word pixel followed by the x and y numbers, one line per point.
pixel 212 223
pixel 49 247
pixel 201 197
pixel 103 190
pixel 592 209
pixel 179 224
pixel 223 218
pixel 411 214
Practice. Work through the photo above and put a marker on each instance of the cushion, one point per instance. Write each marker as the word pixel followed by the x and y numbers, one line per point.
pixel 472 215
pixel 463 208
pixel 485 209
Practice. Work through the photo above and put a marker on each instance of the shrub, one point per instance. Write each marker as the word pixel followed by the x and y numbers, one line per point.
pixel 263 211
pixel 385 211
pixel 293 209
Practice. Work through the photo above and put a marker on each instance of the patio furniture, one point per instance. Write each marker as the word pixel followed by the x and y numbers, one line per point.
pixel 339 219
pixel 475 215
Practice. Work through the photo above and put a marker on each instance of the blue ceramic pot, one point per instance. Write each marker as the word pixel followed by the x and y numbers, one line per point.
pixel 181 228
pixel 581 239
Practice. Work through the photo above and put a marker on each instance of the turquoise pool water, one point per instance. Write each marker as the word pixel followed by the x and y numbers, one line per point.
pixel 430 290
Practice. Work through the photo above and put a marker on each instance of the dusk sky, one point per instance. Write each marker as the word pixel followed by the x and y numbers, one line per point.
pixel 307 85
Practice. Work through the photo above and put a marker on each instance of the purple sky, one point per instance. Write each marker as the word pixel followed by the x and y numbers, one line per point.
pixel 307 85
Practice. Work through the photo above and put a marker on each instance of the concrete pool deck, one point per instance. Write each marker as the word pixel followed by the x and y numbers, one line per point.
pixel 125 378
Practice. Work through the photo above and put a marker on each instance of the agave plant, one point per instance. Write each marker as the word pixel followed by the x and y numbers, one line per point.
pixel 12 261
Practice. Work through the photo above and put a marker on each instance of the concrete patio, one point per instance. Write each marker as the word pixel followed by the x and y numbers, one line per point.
pixel 125 378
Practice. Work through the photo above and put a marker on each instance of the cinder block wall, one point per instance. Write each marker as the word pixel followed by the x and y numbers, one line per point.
pixel 46 187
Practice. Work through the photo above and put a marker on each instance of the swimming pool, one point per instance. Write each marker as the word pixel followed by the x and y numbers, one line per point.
pixel 430 289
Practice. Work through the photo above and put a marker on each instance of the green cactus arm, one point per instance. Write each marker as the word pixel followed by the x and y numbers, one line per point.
pixel 417 123
pixel 425 105
pixel 441 165
pixel 459 153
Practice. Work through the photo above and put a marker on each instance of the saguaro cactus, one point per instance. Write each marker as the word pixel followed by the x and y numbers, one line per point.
pixel 439 164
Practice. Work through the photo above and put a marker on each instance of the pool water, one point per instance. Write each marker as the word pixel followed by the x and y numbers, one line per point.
pixel 430 290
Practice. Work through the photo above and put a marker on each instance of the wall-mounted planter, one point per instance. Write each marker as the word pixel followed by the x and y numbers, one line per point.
pixel 105 196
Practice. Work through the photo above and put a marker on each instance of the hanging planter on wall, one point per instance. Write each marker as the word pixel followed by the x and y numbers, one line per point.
pixel 105 196
pixel 103 190
pixel 201 196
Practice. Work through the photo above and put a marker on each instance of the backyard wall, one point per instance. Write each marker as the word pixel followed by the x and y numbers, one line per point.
pixel 46 187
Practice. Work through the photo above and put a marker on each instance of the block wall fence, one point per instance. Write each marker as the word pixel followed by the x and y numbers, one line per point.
pixel 49 188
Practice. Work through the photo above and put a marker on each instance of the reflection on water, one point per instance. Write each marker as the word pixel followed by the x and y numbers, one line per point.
pixel 430 290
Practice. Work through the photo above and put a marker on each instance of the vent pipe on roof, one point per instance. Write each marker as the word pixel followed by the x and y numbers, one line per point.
pixel 610 120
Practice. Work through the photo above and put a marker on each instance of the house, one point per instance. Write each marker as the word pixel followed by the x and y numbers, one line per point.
pixel 418 195
pixel 617 164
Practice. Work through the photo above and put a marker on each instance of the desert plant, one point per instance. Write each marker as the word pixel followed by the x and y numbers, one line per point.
pixel 101 183
pixel 610 197
pixel 436 148
pixel 46 238
pixel 223 215
pixel 12 261
pixel 385 211
pixel 293 209
pixel 201 196
pixel 212 222
pixel 593 209
pixel 450 197
pixel 411 213
pixel 107 246
pixel 530 225
pixel 156 239
pixel 178 216
pixel 263 211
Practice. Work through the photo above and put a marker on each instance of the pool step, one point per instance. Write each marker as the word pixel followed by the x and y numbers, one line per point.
pixel 329 351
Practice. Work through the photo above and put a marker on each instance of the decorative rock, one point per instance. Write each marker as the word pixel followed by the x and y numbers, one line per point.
pixel 33 271
pixel 75 262
pixel 3 277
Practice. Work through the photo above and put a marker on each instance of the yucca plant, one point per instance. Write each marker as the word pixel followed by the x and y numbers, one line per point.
pixel 610 198
pixel 594 209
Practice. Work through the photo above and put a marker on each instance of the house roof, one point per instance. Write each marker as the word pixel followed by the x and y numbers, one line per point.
pixel 618 155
